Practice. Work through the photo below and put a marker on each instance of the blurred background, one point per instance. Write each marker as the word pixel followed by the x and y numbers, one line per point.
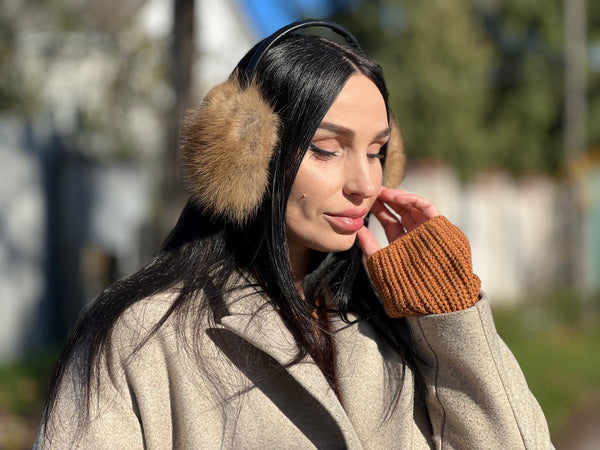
pixel 498 100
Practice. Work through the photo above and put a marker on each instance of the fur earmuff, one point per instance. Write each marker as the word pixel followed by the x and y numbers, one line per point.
pixel 395 158
pixel 226 146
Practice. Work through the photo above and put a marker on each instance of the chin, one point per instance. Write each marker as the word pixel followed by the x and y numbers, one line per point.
pixel 337 244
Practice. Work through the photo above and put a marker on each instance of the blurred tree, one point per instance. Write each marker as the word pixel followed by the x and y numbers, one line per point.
pixel 475 83
pixel 593 31
pixel 16 96
pixel 182 56
pixel 527 83
pixel 89 68
pixel 90 79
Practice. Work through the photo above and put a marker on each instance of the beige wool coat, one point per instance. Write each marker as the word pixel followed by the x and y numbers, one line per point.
pixel 245 395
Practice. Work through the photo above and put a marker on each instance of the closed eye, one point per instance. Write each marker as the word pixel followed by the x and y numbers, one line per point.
pixel 321 153
pixel 375 155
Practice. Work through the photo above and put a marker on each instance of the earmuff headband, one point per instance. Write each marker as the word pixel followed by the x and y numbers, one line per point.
pixel 268 42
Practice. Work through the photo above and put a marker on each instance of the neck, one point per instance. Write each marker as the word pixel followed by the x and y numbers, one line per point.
pixel 300 262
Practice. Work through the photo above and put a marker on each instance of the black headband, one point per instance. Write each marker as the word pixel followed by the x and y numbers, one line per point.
pixel 268 42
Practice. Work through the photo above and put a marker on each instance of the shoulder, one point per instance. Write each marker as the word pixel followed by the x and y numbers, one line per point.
pixel 143 318
pixel 171 320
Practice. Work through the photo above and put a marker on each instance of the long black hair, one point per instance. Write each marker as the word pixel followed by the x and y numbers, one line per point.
pixel 300 76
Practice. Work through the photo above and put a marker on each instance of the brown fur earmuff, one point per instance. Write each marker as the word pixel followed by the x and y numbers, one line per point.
pixel 226 147
pixel 395 158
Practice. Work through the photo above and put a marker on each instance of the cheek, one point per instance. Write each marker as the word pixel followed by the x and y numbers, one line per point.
pixel 378 175
pixel 298 201
pixel 312 187
pixel 296 204
pixel 301 206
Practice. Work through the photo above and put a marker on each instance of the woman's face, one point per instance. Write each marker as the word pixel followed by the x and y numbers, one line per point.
pixel 340 175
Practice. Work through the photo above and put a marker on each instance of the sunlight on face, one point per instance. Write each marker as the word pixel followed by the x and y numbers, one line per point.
pixel 340 175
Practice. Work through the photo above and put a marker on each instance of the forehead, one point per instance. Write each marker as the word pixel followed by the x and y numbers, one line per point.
pixel 358 104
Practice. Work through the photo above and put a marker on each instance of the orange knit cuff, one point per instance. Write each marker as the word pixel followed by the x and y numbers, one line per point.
pixel 427 271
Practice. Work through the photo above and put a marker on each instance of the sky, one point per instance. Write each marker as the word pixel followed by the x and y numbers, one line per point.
pixel 267 16
pixel 263 16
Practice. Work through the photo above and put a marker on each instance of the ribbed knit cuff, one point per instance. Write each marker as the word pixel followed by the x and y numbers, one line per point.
pixel 427 271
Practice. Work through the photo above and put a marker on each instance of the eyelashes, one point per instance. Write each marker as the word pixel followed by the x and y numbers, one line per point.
pixel 321 153
pixel 378 156
pixel 328 154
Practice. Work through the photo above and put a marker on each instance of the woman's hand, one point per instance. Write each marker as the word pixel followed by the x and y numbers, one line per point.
pixel 413 210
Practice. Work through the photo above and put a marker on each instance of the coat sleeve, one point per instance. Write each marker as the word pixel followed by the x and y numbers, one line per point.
pixel 475 391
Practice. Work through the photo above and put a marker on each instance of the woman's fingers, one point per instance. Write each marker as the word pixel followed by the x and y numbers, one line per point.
pixel 390 222
pixel 398 212
pixel 367 241
pixel 412 208
pixel 404 200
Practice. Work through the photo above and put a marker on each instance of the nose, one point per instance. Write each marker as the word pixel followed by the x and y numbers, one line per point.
pixel 362 178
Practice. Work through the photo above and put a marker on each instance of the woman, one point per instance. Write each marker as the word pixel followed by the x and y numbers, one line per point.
pixel 256 325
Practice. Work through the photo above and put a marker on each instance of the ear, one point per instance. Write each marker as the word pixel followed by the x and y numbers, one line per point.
pixel 226 146
pixel 395 159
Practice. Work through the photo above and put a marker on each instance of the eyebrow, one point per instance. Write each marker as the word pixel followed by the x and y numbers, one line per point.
pixel 347 132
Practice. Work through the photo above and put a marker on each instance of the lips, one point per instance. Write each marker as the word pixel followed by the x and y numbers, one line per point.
pixel 348 221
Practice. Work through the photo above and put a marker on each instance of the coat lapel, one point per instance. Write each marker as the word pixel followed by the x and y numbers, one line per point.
pixel 255 321
pixel 365 382
pixel 360 368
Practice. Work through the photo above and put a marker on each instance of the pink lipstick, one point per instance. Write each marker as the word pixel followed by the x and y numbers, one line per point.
pixel 347 221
